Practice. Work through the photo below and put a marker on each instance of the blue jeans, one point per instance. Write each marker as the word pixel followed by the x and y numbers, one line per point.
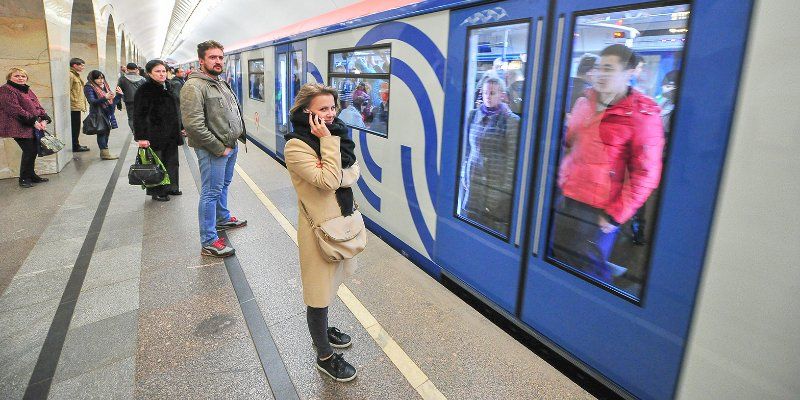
pixel 216 174
pixel 578 241
pixel 102 141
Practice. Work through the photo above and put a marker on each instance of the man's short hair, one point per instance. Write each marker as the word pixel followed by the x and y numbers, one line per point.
pixel 207 45
pixel 132 66
pixel 626 55
pixel 77 61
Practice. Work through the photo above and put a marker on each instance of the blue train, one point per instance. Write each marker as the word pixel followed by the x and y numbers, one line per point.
pixel 510 165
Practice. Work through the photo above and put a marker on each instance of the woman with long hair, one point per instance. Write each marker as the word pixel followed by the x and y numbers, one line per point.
pixel 103 100
pixel 156 121
pixel 322 164
pixel 21 114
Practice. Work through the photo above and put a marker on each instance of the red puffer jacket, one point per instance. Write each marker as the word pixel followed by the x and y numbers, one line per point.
pixel 19 110
pixel 613 159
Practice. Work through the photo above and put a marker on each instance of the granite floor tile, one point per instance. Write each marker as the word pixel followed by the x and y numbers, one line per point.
pixel 17 370
pixel 112 266
pixel 34 289
pixel 12 254
pixel 175 336
pixel 46 255
pixel 94 346
pixel 114 382
pixel 106 302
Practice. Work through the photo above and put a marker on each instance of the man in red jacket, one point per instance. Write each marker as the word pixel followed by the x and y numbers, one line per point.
pixel 611 163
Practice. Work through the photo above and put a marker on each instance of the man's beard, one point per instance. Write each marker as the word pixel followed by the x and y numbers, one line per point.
pixel 212 72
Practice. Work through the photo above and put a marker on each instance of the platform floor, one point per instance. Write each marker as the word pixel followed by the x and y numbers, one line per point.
pixel 104 294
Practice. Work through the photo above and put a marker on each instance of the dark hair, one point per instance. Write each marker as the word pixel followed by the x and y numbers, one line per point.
pixel 95 74
pixel 132 66
pixel 627 57
pixel 76 60
pixel 207 45
pixel 670 78
pixel 586 64
pixel 152 64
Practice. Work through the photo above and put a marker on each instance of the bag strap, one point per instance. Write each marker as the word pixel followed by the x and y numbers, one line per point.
pixel 311 221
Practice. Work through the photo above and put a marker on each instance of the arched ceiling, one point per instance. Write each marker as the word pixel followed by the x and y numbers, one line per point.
pixel 188 22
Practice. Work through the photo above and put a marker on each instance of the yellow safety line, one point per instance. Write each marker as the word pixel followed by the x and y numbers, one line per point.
pixel 410 370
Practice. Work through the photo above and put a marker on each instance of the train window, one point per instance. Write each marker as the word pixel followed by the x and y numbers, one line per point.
pixel 255 69
pixel 621 96
pixel 362 78
pixel 495 81
pixel 296 73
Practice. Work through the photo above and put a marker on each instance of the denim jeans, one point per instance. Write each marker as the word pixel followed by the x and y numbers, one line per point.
pixel 102 141
pixel 216 174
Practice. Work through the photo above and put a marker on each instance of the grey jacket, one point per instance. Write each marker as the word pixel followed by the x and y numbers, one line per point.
pixel 130 83
pixel 210 113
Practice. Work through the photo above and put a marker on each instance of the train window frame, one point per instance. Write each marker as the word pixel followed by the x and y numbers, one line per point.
pixel 250 73
pixel 463 115
pixel 639 300
pixel 386 76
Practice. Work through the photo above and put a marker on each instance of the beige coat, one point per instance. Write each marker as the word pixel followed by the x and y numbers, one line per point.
pixel 77 100
pixel 316 182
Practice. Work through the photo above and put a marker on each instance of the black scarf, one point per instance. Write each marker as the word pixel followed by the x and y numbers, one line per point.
pixel 302 130
pixel 21 88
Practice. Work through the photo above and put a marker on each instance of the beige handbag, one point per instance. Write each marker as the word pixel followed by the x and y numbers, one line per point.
pixel 340 238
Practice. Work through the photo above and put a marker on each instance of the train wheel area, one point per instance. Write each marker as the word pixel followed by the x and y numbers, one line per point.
pixel 103 294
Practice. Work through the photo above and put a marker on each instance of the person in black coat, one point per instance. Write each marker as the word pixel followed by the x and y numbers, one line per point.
pixel 157 124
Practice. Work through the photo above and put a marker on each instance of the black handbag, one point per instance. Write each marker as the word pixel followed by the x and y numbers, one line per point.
pixel 148 170
pixel 97 122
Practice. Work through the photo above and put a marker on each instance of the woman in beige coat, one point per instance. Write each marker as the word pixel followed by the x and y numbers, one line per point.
pixel 321 162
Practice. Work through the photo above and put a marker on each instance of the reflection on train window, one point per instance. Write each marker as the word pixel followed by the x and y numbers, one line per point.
pixel 255 69
pixel 296 73
pixel 281 102
pixel 362 78
pixel 495 81
pixel 624 77
pixel 362 61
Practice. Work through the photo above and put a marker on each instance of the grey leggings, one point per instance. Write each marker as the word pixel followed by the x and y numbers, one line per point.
pixel 318 327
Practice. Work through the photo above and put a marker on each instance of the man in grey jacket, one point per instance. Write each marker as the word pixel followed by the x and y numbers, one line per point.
pixel 213 123
pixel 130 83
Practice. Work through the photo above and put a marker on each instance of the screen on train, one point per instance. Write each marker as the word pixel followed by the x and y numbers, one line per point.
pixel 362 78
pixel 624 77
pixel 495 80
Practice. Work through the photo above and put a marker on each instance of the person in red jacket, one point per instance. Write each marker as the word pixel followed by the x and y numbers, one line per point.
pixel 20 114
pixel 611 163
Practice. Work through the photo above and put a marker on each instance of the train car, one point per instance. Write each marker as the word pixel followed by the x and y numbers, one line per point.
pixel 484 170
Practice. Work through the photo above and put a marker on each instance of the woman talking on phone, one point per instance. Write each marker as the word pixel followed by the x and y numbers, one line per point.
pixel 322 164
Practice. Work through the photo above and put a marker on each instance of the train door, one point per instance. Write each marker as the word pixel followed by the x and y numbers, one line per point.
pixel 494 59
pixel 597 246
pixel 233 75
pixel 290 75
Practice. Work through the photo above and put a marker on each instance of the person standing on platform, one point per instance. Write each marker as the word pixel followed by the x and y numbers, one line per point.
pixel 77 101
pixel 21 114
pixel 157 125
pixel 130 83
pixel 177 81
pixel 612 162
pixel 103 100
pixel 213 122
pixel 322 165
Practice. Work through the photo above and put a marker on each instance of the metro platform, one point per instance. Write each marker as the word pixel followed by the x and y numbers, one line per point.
pixel 104 295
